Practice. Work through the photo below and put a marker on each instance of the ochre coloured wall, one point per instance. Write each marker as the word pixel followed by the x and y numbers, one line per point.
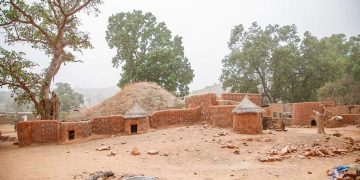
pixel 165 118
pixel 351 119
pixel 221 116
pixel 255 98
pixel 247 123
pixel 108 124
pixel 141 122
pixel 82 129
pixel 38 132
pixel 204 101
pixel 303 112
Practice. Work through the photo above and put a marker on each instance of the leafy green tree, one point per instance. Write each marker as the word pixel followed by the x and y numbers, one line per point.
pixel 148 52
pixel 354 51
pixel 344 91
pixel 50 26
pixel 250 63
pixel 69 99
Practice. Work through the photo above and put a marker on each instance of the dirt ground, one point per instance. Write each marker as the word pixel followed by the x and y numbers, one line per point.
pixel 194 152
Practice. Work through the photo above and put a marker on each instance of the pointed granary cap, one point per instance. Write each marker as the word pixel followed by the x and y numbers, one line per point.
pixel 246 106
pixel 135 112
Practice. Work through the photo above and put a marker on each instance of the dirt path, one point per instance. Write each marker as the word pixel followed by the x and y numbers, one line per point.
pixel 193 153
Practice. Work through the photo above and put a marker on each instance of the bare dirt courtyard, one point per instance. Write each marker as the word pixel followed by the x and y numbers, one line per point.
pixel 192 152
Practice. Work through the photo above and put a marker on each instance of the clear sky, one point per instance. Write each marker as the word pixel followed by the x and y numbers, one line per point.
pixel 205 26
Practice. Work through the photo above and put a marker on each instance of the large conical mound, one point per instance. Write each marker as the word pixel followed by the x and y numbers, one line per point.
pixel 148 95
pixel 246 106
pixel 135 112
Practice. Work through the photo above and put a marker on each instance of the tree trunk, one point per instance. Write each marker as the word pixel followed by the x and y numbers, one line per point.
pixel 50 107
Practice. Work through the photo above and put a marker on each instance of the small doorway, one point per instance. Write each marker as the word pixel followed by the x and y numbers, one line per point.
pixel 313 122
pixel 134 129
pixel 71 135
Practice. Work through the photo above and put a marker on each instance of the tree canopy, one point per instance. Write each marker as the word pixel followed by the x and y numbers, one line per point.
pixel 282 66
pixel 148 52
pixel 50 26
pixel 69 99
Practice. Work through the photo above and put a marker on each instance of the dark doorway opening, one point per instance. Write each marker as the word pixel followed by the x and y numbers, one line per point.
pixel 313 122
pixel 71 135
pixel 134 129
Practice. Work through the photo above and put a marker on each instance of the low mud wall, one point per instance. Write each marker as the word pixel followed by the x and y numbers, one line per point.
pixel 108 125
pixel 221 116
pixel 38 132
pixel 255 98
pixel 303 112
pixel 161 119
pixel 75 130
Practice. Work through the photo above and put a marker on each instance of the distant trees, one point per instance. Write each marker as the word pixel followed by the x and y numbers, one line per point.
pixel 148 52
pixel 50 26
pixel 69 99
pixel 276 62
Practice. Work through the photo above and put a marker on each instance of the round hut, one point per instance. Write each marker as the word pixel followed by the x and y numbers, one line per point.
pixel 136 120
pixel 247 117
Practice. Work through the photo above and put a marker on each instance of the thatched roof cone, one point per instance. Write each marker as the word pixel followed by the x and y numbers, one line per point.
pixel 246 106
pixel 135 112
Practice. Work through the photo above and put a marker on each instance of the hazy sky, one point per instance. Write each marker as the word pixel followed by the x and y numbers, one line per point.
pixel 205 26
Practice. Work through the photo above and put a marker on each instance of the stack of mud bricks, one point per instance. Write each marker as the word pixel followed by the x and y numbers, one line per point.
pixel 221 116
pixel 204 101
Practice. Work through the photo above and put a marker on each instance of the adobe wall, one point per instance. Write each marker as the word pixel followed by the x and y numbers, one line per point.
pixel 170 117
pixel 255 98
pixel 247 123
pixel 351 118
pixel 141 122
pixel 82 129
pixel 303 112
pixel 108 125
pixel 204 101
pixel 276 110
pixel 221 116
pixel 38 132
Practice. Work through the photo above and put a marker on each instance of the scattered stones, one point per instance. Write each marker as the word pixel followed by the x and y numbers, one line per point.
pixel 123 142
pixel 67 151
pixel 336 134
pixel 309 172
pixel 165 154
pixel 230 146
pixel 111 154
pixel 103 148
pixel 135 151
pixel 267 140
pixel 153 152
pixel 112 136
pixel 245 144
pixel 100 175
pixel 237 151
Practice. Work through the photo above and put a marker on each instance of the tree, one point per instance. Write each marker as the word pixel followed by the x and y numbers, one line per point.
pixel 251 62
pixel 50 26
pixel 69 99
pixel 343 91
pixel 148 52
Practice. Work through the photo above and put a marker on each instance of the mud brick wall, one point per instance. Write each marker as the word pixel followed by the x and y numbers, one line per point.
pixel 170 117
pixel 303 112
pixel 247 123
pixel 38 132
pixel 108 124
pixel 255 98
pixel 221 116
pixel 204 101
pixel 350 118
pixel 276 109
pixel 82 129
pixel 141 122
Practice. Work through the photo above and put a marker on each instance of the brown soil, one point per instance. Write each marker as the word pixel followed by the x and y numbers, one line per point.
pixel 148 95
pixel 193 153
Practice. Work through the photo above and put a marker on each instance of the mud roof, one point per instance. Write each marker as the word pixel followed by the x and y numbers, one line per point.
pixel 135 112
pixel 246 106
